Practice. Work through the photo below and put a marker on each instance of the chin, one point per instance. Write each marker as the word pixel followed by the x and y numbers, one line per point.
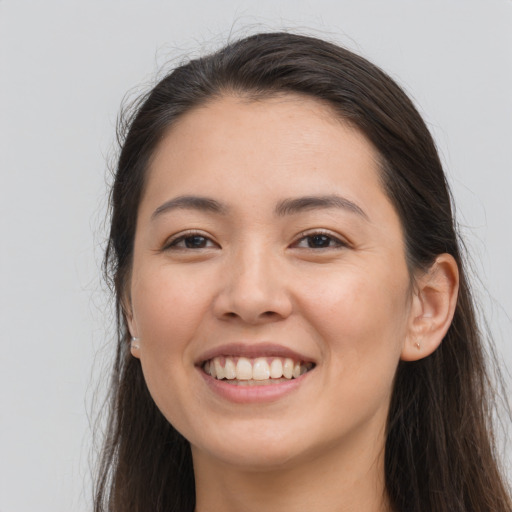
pixel 260 448
pixel 251 458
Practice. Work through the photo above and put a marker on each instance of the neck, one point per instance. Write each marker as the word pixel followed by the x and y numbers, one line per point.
pixel 341 480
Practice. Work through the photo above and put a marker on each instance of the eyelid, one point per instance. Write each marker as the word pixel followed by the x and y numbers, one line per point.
pixel 341 242
pixel 173 240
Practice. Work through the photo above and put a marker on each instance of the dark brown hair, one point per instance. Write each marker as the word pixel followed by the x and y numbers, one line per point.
pixel 439 453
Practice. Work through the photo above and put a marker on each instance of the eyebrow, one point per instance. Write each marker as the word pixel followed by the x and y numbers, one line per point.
pixel 297 205
pixel 204 204
pixel 283 208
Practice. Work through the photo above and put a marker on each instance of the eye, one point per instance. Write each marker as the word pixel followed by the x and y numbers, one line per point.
pixel 319 240
pixel 191 241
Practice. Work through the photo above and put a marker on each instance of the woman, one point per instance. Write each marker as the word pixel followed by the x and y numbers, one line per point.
pixel 296 331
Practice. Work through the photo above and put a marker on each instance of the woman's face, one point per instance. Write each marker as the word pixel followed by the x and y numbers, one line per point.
pixel 264 236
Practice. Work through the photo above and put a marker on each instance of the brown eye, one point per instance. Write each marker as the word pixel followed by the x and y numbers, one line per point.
pixel 195 242
pixel 191 241
pixel 319 241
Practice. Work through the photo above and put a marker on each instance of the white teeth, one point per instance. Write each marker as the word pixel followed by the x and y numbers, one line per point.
pixel 230 369
pixel 249 371
pixel 288 368
pixel 219 370
pixel 260 369
pixel 243 369
pixel 276 368
pixel 209 368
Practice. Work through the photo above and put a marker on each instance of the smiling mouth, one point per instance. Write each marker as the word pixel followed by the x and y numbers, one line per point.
pixel 259 371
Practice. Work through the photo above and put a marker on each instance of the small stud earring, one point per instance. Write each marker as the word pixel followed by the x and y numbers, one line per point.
pixel 135 343
pixel 418 345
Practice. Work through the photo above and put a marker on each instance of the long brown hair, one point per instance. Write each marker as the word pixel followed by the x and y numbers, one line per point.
pixel 439 453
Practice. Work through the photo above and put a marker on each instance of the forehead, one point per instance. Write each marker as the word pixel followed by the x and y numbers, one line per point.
pixel 291 117
pixel 254 151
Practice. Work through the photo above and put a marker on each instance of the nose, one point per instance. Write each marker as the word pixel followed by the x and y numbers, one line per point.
pixel 254 289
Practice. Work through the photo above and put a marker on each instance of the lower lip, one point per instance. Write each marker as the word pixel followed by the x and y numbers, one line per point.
pixel 253 393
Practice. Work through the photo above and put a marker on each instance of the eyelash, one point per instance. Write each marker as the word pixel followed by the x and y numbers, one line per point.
pixel 338 243
pixel 173 242
pixel 327 236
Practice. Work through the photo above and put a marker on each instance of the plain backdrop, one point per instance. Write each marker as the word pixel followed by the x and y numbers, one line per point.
pixel 64 70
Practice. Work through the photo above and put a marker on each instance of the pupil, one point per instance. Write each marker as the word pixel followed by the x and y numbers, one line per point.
pixel 319 241
pixel 195 242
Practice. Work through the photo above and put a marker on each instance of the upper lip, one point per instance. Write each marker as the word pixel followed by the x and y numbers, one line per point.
pixel 252 350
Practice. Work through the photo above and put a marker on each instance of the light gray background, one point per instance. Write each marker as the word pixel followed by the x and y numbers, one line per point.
pixel 64 68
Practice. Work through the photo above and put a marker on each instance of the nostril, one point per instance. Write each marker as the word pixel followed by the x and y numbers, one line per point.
pixel 267 314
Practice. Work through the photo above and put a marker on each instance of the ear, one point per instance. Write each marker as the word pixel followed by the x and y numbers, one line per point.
pixel 433 305
pixel 126 305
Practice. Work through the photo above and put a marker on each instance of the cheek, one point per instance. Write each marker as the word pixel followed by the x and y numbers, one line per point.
pixel 361 328
pixel 169 307
pixel 361 317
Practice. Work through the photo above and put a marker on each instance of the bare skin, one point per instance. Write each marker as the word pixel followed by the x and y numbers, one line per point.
pixel 264 229
pixel 334 481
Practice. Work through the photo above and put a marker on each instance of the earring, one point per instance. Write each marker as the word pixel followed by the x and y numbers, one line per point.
pixel 135 343
pixel 418 345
